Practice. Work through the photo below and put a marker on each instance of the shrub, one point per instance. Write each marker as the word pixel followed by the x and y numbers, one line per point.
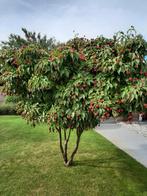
pixel 7 109
pixel 11 99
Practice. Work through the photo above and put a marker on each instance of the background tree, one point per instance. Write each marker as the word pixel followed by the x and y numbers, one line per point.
pixel 17 41
pixel 78 84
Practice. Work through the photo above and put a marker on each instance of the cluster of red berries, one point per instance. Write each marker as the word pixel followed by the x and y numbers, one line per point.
pixel 120 101
pixel 15 63
pixel 82 57
pixel 133 79
pixel 130 116
pixel 93 109
pixel 119 110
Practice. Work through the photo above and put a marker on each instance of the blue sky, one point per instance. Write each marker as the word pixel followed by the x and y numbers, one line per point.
pixel 59 18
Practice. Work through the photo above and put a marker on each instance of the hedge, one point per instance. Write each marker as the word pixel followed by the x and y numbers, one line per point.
pixel 7 109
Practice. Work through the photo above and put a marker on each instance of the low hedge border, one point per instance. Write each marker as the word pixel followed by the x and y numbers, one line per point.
pixel 7 109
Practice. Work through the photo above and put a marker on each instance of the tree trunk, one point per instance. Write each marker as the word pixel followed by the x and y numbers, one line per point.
pixel 70 161
pixel 61 146
pixel 65 147
pixel 64 150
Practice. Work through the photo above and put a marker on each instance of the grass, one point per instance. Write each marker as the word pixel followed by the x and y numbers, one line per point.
pixel 30 164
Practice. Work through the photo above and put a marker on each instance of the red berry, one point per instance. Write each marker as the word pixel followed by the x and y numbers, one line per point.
pixel 82 57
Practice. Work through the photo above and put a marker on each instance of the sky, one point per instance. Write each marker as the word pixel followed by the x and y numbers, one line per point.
pixel 63 18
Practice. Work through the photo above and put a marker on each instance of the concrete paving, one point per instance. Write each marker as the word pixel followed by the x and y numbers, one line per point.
pixel 131 138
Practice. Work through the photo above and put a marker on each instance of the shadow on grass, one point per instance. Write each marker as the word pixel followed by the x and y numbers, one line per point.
pixel 101 163
pixel 120 163
pixel 119 159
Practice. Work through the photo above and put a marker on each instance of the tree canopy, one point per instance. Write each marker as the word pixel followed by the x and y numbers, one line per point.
pixel 16 41
pixel 76 85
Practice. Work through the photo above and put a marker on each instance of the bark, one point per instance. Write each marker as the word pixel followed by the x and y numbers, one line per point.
pixel 61 145
pixel 66 139
pixel 64 150
pixel 70 161
pixel 65 147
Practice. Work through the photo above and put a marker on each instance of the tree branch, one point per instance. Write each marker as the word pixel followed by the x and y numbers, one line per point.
pixel 79 132
pixel 60 140
pixel 65 146
pixel 64 134
pixel 69 135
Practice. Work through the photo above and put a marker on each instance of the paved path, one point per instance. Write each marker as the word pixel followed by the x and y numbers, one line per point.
pixel 131 138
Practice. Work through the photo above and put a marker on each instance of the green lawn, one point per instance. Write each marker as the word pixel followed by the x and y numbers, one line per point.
pixel 30 164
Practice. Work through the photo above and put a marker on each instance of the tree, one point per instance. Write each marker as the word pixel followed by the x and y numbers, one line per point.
pixel 75 86
pixel 16 41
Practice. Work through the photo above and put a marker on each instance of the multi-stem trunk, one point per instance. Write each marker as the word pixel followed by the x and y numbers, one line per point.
pixel 64 148
pixel 70 161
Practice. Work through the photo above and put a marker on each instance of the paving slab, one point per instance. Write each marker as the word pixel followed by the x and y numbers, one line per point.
pixel 131 138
